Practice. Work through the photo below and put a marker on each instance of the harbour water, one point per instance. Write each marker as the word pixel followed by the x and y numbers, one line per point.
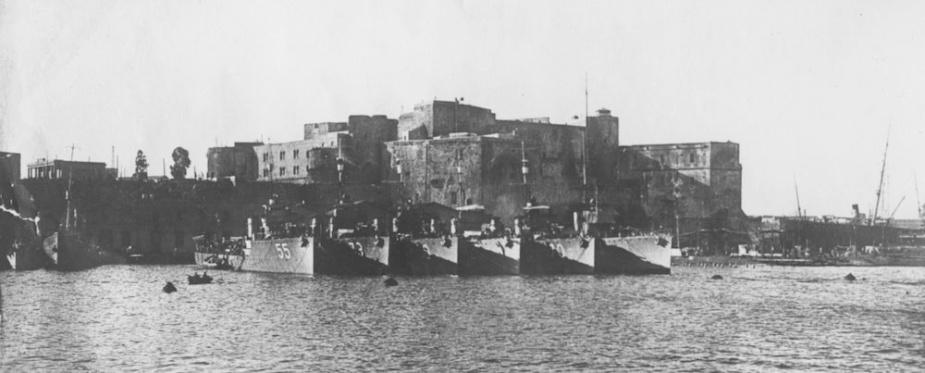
pixel 116 318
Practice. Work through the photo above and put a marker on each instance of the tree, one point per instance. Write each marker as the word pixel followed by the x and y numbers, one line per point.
pixel 141 166
pixel 180 163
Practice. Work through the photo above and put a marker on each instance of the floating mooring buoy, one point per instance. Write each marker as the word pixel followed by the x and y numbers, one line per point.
pixel 390 281
pixel 169 288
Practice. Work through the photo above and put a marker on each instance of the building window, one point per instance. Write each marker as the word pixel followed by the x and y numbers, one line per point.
pixel 693 157
pixel 266 157
pixel 453 198
pixel 266 172
pixel 282 171
pixel 282 155
pixel 295 170
pixel 295 154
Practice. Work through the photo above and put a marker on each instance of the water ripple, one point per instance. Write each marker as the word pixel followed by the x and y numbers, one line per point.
pixel 759 319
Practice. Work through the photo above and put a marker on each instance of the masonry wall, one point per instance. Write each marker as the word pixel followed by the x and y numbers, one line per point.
pixel 369 155
pixel 700 182
pixel 483 170
pixel 603 141
pixel 239 161
pixel 320 129
pixel 440 118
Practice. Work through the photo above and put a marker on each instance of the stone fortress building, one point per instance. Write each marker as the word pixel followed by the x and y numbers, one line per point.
pixel 458 154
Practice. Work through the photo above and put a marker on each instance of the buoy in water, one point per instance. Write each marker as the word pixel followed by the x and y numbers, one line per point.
pixel 169 288
pixel 850 277
pixel 716 277
pixel 390 281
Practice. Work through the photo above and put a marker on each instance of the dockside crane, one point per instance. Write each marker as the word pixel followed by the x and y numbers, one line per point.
pixel 896 209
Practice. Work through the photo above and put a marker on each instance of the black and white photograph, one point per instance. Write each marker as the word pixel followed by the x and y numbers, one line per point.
pixel 462 186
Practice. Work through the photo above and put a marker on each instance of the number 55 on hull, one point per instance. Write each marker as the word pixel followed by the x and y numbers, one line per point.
pixel 279 255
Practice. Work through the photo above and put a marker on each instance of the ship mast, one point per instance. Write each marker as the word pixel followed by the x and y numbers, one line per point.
pixel 67 196
pixel 584 143
pixel 796 189
pixel 880 186
pixel 918 203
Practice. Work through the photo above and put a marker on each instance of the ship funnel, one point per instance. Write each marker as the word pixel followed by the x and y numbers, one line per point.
pixel 250 228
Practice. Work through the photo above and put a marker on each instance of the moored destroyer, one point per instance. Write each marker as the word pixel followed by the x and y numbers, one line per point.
pixel 551 249
pixel 590 246
pixel 270 251
pixel 486 248
pixel 283 245
pixel 423 246
pixel 355 243
pixel 624 250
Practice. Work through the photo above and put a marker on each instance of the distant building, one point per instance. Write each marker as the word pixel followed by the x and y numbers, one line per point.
pixel 59 169
pixel 9 167
pixel 359 144
pixel 303 161
pixel 238 161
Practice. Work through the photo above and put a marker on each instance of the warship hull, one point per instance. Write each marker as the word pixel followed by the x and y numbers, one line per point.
pixel 572 255
pixel 363 256
pixel 27 259
pixel 279 255
pixel 425 256
pixel 633 255
pixel 68 252
pixel 489 256
pixel 217 260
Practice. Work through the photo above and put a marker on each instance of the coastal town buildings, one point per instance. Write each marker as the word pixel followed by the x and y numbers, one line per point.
pixel 44 168
pixel 331 152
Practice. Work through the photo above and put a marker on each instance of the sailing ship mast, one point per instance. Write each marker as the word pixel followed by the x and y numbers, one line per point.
pixel 880 186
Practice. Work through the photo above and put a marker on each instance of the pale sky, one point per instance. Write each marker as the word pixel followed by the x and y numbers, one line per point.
pixel 807 88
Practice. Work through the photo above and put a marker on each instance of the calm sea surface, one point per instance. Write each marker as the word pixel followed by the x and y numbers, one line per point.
pixel 117 318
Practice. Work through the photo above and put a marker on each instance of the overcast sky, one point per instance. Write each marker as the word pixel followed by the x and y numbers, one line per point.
pixel 808 88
